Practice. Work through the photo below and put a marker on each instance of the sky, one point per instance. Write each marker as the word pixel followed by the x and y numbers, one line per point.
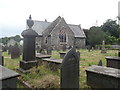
pixel 13 13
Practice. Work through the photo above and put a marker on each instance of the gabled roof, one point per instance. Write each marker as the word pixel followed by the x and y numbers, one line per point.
pixel 42 26
pixel 77 30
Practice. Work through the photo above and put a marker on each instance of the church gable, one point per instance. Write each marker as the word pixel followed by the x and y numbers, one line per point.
pixel 62 34
pixel 48 30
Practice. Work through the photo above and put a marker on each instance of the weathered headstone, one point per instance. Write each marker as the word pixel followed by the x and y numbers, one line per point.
pixel 9 49
pixel 119 54
pixel 100 63
pixel 64 47
pixel 28 48
pixel 103 50
pixel 15 52
pixel 70 70
pixel 49 50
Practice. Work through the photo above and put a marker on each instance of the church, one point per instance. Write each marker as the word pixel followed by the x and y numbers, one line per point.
pixel 58 33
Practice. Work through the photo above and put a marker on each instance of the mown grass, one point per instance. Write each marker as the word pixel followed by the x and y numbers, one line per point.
pixel 47 78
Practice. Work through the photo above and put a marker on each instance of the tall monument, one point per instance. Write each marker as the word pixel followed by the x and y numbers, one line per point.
pixel 28 60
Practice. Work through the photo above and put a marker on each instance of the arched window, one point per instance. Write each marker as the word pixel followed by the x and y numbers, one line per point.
pixel 62 36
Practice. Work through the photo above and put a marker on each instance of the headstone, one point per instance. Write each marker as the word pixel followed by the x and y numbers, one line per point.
pixel 100 63
pixel 1 59
pixel 28 48
pixel 118 54
pixel 70 70
pixel 62 54
pixel 49 50
pixel 15 52
pixel 9 49
pixel 4 48
pixel 103 50
pixel 64 47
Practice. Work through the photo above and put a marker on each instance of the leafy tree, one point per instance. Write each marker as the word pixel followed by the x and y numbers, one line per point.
pixel 95 36
pixel 17 38
pixel 111 28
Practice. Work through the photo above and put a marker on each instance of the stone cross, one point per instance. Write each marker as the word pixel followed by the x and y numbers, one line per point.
pixel 28 47
pixel 70 70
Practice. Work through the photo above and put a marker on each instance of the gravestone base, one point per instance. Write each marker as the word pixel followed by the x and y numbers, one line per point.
pixel 26 65
pixel 62 54
pixel 103 51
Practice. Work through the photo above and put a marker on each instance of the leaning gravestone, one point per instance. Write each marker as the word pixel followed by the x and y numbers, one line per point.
pixel 15 52
pixel 70 70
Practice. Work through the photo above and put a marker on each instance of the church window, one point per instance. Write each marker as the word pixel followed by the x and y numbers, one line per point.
pixel 62 36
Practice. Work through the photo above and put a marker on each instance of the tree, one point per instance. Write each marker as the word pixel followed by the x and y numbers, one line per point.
pixel 111 28
pixel 95 36
pixel 17 38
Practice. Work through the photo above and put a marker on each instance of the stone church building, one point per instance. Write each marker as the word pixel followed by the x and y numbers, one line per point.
pixel 58 33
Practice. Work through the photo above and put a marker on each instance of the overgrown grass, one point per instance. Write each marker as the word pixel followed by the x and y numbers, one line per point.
pixel 47 78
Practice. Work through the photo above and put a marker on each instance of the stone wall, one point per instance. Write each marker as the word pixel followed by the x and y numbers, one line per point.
pixel 55 41
pixel 79 42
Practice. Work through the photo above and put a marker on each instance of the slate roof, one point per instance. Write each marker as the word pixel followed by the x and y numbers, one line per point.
pixel 40 26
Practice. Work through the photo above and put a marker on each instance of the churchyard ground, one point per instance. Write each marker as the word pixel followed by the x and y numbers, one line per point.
pixel 47 78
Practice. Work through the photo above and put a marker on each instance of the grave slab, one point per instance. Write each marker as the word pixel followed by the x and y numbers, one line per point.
pixel 113 61
pixel 8 77
pixel 103 77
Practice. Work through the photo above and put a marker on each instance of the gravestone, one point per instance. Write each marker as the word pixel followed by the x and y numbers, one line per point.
pixel 15 52
pixel 28 48
pixel 49 50
pixel 100 63
pixel 1 59
pixel 62 54
pixel 103 50
pixel 70 70
pixel 9 49
pixel 64 47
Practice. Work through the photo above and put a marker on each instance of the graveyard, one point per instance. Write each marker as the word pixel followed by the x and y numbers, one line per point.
pixel 44 77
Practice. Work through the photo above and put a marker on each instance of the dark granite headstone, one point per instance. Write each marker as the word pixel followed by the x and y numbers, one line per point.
pixel 15 52
pixel 70 70
pixel 100 63
pixel 28 48
pixel 118 54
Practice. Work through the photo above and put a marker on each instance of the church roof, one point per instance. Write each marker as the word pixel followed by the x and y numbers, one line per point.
pixel 40 26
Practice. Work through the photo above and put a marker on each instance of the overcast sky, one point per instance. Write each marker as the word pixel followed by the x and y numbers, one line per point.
pixel 13 13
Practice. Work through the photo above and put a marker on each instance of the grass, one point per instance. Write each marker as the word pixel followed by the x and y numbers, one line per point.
pixel 46 78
